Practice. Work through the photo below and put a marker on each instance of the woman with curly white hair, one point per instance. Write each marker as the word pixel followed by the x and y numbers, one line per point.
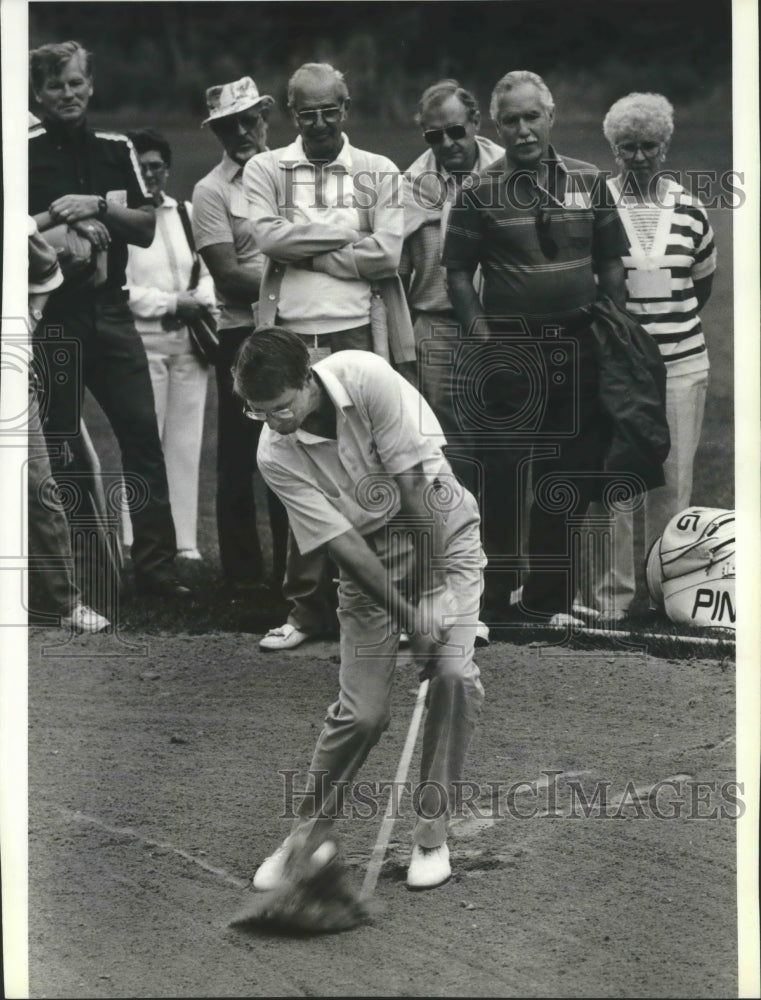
pixel 669 272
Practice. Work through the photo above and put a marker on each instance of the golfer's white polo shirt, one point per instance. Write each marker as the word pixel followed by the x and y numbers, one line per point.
pixel 384 427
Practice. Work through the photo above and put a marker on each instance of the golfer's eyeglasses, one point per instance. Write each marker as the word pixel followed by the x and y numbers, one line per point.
pixel 284 412
pixel 329 115
pixel 627 150
pixel 433 136
pixel 279 413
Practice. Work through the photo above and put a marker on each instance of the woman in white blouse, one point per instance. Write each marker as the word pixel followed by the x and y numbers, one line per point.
pixel 669 272
pixel 158 277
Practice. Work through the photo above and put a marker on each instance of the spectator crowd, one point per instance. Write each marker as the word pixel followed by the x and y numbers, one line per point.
pixel 476 273
pixel 418 364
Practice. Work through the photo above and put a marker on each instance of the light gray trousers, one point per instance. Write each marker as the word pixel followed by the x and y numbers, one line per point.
pixel 369 645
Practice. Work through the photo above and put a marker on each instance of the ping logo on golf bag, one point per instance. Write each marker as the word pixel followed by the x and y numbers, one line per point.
pixel 719 604
pixel 691 568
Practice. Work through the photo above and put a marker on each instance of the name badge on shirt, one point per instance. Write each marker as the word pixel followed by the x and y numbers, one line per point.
pixel 649 283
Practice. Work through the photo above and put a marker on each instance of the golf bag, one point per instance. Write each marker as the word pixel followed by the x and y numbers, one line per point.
pixel 691 568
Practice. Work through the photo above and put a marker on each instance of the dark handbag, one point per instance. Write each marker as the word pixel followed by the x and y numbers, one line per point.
pixel 203 336
pixel 202 329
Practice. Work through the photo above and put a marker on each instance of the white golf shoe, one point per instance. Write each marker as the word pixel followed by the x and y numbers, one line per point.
pixel 429 867
pixel 271 872
pixel 83 618
pixel 569 621
pixel 285 637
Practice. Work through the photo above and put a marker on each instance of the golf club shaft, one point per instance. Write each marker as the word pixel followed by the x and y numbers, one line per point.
pixel 384 834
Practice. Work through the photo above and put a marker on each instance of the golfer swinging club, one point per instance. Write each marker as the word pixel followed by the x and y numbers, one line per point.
pixel 355 454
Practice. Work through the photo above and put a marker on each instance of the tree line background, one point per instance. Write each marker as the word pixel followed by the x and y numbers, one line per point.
pixel 163 55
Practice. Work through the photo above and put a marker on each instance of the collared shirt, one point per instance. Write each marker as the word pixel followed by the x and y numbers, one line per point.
pixel 87 161
pixel 344 221
pixel 430 190
pixel 384 428
pixel 496 224
pixel 157 274
pixel 220 215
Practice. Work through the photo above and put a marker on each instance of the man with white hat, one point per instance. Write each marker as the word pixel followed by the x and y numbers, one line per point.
pixel 225 240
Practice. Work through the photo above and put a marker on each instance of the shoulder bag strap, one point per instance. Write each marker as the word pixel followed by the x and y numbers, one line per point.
pixel 195 272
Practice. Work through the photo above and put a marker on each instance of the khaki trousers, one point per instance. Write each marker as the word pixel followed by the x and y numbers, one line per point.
pixel 369 644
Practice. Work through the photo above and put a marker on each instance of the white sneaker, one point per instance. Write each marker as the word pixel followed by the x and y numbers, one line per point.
pixel 561 618
pixel 285 637
pixel 429 867
pixel 581 610
pixel 482 634
pixel 271 872
pixel 193 554
pixel 84 619
pixel 613 617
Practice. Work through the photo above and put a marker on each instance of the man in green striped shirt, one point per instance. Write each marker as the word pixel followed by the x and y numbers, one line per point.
pixel 546 253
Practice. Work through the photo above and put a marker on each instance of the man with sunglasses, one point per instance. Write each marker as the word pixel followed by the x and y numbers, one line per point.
pixel 329 219
pixel 226 243
pixel 449 118
pixel 547 247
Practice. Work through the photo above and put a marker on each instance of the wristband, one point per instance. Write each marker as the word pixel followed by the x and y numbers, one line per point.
pixel 102 207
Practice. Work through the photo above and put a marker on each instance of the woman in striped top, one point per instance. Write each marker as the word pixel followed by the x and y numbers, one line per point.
pixel 669 271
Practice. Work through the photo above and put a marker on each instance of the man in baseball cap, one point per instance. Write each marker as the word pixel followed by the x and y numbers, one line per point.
pixel 224 239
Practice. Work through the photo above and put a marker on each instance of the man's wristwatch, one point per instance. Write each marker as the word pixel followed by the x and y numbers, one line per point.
pixel 102 207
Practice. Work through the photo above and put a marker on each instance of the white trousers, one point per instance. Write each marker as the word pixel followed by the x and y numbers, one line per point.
pixel 614 579
pixel 179 389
